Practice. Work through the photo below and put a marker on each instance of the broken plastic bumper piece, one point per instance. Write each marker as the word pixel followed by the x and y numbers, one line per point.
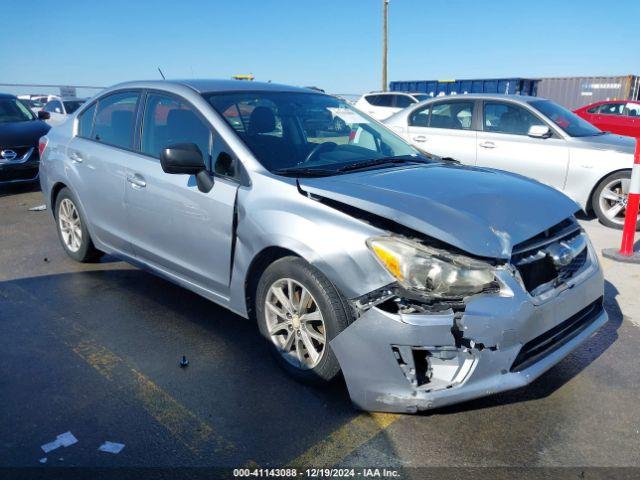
pixel 396 362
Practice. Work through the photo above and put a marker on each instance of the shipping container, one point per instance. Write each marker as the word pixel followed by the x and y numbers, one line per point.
pixel 436 88
pixel 575 92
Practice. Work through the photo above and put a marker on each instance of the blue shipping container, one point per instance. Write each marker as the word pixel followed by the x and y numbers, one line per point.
pixel 435 88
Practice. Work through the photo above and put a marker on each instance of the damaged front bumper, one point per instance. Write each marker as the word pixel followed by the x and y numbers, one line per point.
pixel 395 362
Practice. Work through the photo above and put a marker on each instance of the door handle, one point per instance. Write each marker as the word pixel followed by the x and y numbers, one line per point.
pixel 136 181
pixel 75 157
pixel 488 145
pixel 420 138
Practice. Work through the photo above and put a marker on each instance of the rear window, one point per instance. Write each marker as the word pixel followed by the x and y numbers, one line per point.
pixel 71 106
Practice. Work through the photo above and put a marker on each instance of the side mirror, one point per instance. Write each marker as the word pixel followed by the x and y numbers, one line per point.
pixel 186 159
pixel 42 115
pixel 539 131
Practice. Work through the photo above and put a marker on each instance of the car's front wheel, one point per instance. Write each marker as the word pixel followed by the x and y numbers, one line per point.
pixel 299 312
pixel 72 229
pixel 610 199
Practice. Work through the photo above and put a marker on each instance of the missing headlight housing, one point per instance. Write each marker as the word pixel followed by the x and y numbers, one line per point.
pixel 431 272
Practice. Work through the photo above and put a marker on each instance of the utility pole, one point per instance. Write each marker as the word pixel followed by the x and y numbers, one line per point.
pixel 385 14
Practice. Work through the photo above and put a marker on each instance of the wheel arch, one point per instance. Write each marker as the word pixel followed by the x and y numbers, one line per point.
pixel 55 191
pixel 258 265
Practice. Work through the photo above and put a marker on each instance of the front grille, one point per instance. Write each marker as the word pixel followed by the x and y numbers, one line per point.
pixel 534 258
pixel 558 336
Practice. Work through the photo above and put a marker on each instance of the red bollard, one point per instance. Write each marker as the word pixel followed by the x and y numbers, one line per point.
pixel 626 253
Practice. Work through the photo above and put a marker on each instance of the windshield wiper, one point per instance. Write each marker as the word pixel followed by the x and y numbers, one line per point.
pixel 306 171
pixel 382 161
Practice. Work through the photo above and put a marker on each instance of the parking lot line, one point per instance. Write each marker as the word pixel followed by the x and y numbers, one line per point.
pixel 183 424
pixel 198 436
pixel 345 440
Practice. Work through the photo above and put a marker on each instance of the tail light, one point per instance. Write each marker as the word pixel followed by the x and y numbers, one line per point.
pixel 42 144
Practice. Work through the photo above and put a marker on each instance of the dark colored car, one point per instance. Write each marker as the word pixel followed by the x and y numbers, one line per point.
pixel 20 131
pixel 615 116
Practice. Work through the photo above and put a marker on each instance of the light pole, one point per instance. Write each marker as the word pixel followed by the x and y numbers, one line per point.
pixel 385 12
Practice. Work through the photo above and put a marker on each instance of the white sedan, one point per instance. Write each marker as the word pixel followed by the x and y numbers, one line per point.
pixel 381 105
pixel 530 136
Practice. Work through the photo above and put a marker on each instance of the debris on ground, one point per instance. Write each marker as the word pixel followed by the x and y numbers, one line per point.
pixel 39 208
pixel 43 460
pixel 46 259
pixel 63 440
pixel 184 362
pixel 111 447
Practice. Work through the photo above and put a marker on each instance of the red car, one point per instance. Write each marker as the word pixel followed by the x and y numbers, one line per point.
pixel 615 116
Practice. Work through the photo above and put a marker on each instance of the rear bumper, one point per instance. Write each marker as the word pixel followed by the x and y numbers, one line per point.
pixel 19 171
pixel 382 354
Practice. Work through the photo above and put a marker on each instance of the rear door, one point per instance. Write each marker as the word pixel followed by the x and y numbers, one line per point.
pixel 174 226
pixel 99 155
pixel 503 143
pixel 632 114
pixel 446 129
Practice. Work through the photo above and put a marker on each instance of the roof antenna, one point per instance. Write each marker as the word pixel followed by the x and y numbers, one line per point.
pixel 161 74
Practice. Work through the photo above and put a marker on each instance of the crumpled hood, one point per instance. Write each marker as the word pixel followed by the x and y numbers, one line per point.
pixel 481 211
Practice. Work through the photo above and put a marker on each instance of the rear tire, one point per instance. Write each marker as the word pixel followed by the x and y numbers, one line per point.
pixel 316 315
pixel 72 229
pixel 610 199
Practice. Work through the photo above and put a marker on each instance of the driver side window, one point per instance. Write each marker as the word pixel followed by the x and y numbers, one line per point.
pixel 508 118
pixel 169 121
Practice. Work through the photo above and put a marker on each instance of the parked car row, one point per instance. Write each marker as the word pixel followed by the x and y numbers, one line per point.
pixel 530 136
pixel 615 116
pixel 425 282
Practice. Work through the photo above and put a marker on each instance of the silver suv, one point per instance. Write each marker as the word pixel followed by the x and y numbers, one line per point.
pixel 425 283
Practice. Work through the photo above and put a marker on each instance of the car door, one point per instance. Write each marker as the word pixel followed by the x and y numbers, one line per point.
pixel 99 155
pixel 503 143
pixel 56 112
pixel 175 227
pixel 445 129
pixel 611 118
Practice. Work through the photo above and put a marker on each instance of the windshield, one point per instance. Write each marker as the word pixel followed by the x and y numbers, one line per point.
pixel 13 110
pixel 72 105
pixel 568 121
pixel 307 133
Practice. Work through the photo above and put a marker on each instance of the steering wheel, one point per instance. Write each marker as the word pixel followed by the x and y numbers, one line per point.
pixel 322 147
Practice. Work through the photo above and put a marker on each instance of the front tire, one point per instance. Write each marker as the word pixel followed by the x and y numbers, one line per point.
pixel 609 199
pixel 72 229
pixel 299 312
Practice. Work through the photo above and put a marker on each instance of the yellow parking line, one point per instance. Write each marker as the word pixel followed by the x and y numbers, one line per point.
pixel 345 440
pixel 197 435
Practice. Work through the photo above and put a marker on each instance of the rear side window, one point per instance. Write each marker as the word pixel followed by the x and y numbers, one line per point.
pixel 611 108
pixel 507 118
pixel 632 109
pixel 452 115
pixel 85 122
pixel 115 118
pixel 402 101
pixel 54 106
pixel 420 117
pixel 169 121
pixel 380 100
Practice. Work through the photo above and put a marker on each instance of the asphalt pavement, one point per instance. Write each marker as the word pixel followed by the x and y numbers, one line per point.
pixel 95 350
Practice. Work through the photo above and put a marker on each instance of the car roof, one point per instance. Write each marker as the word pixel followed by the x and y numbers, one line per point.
pixel 208 86
pixel 488 96
pixel 7 95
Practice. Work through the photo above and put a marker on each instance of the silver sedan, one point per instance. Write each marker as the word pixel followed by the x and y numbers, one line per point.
pixel 530 136
pixel 347 247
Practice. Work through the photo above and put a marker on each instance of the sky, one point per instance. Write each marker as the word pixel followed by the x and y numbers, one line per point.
pixel 332 44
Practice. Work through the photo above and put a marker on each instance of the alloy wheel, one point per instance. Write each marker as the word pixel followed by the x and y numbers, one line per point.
pixel 295 323
pixel 613 199
pixel 69 224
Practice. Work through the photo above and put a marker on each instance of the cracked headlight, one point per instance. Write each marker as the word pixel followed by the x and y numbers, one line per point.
pixel 432 272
